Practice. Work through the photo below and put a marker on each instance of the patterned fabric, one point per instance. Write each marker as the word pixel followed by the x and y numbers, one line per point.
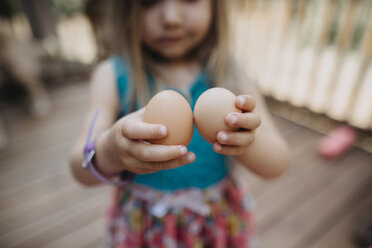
pixel 220 216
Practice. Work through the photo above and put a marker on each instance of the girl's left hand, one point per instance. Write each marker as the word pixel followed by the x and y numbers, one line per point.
pixel 234 143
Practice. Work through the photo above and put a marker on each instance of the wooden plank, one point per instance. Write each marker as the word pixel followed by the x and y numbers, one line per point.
pixel 35 188
pixel 62 124
pixel 81 237
pixel 34 148
pixel 342 233
pixel 34 166
pixel 98 242
pixel 309 63
pixel 30 209
pixel 362 113
pixel 323 77
pixel 56 225
pixel 41 137
pixel 302 220
pixel 43 205
pixel 279 32
pixel 342 92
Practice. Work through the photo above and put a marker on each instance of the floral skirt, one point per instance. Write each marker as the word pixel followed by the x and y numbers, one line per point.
pixel 219 216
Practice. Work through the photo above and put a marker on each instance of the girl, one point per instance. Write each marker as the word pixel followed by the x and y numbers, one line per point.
pixel 173 196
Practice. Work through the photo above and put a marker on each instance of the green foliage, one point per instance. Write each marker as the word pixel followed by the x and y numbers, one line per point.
pixel 68 7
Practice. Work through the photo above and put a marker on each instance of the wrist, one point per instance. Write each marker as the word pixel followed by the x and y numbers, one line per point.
pixel 103 159
pixel 246 150
pixel 90 155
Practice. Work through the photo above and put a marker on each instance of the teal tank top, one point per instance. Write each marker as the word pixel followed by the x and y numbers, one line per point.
pixel 209 166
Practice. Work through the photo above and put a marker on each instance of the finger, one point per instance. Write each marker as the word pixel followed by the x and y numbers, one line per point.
pixel 228 150
pixel 135 129
pixel 138 114
pixel 156 153
pixel 150 167
pixel 246 120
pixel 245 103
pixel 239 138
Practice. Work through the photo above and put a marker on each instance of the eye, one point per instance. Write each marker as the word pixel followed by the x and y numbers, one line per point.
pixel 149 3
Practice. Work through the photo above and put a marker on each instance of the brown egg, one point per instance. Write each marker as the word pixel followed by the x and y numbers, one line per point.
pixel 210 111
pixel 171 109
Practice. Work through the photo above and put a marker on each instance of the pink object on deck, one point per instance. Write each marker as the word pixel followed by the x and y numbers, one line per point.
pixel 337 142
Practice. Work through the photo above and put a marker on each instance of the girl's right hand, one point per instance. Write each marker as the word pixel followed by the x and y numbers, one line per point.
pixel 122 147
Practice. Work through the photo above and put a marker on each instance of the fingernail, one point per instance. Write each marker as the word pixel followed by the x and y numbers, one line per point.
pixel 223 137
pixel 163 130
pixel 233 119
pixel 190 157
pixel 183 150
pixel 241 100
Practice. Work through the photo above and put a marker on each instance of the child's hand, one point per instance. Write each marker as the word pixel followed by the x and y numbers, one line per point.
pixel 129 151
pixel 234 143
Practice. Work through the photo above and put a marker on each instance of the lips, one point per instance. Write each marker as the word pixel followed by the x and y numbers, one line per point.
pixel 170 39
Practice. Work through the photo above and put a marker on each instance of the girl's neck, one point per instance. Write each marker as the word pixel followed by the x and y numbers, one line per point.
pixel 177 74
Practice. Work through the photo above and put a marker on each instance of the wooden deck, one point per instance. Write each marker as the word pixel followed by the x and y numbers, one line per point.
pixel 315 204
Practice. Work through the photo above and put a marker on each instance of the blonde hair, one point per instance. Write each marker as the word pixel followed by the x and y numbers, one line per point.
pixel 124 15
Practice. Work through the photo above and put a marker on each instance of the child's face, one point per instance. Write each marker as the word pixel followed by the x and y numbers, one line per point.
pixel 172 28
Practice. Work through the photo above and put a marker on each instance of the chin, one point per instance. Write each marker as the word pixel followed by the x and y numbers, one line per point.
pixel 168 54
pixel 173 55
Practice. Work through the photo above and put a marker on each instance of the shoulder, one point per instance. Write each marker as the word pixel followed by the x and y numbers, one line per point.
pixel 103 70
pixel 102 87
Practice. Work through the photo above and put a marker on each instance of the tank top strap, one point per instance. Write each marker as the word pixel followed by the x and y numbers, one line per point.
pixel 121 69
pixel 124 85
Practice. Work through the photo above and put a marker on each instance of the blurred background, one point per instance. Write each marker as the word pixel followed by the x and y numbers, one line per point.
pixel 310 58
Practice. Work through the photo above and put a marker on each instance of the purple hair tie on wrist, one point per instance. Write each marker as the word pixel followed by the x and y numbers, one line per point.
pixel 90 151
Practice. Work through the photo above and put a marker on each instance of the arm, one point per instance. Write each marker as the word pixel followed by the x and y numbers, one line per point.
pixel 101 89
pixel 120 144
pixel 268 155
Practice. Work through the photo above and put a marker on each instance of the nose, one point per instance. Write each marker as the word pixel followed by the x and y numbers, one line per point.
pixel 171 13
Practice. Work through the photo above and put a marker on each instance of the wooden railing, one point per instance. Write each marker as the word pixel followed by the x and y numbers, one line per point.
pixel 311 53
